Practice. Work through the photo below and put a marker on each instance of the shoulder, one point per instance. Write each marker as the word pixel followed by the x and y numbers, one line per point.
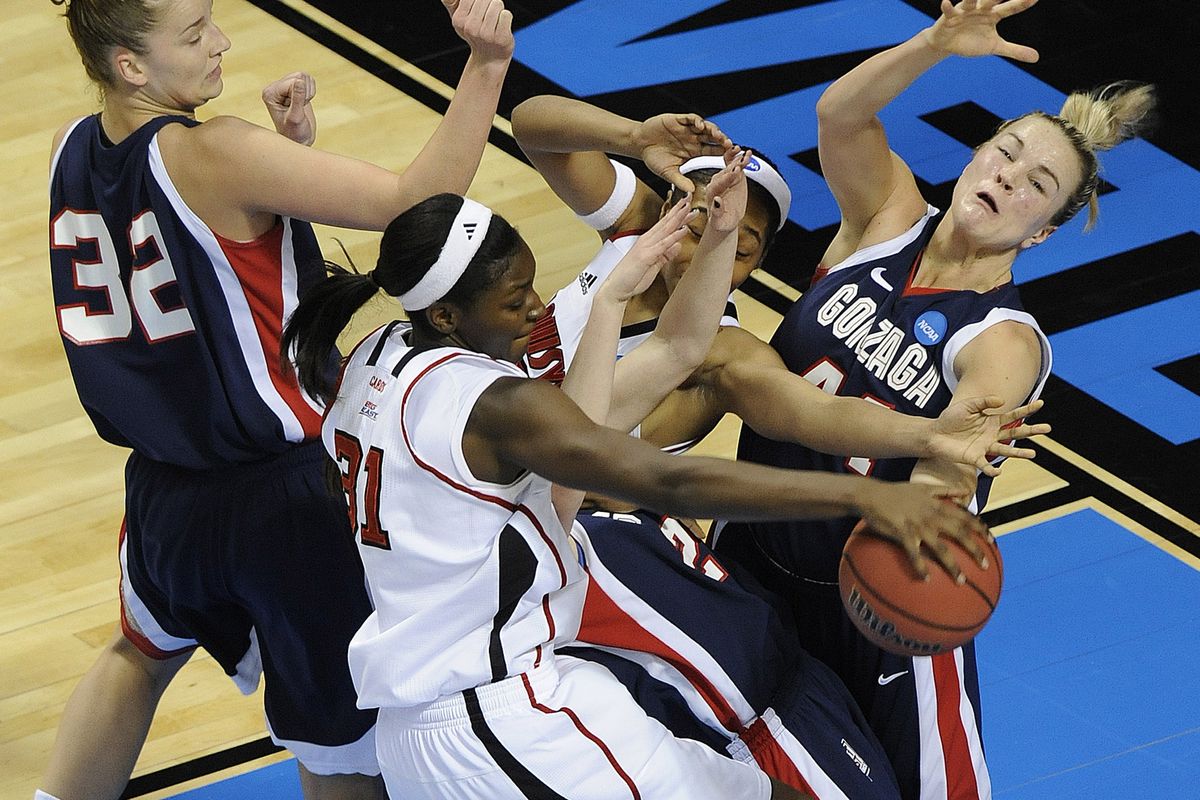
pixel 62 132
pixel 219 137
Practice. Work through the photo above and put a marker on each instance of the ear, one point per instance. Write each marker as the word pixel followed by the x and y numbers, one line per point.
pixel 444 317
pixel 1038 237
pixel 128 67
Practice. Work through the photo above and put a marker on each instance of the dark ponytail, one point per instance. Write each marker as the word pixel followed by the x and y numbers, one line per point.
pixel 310 336
pixel 411 244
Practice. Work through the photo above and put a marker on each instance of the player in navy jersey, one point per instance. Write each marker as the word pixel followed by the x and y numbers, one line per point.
pixel 708 652
pixel 177 249
pixel 569 142
pixel 914 309
pixel 437 416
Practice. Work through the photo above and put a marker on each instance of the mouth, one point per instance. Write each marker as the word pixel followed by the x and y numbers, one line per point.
pixel 216 72
pixel 988 200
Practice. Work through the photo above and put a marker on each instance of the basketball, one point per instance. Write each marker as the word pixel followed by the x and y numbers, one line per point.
pixel 899 612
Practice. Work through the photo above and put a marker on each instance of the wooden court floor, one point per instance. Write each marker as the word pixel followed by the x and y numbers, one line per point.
pixel 61 487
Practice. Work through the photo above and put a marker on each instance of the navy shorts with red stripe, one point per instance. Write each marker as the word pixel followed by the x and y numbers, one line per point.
pixel 262 547
pixel 883 684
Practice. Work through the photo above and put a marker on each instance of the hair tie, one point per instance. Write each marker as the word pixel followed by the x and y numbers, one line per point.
pixel 467 232
pixel 756 170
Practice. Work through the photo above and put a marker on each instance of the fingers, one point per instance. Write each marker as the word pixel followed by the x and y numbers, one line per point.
pixel 1010 7
pixel 1009 451
pixel 1021 412
pixel 297 99
pixel 678 179
pixel 1026 431
pixel 1017 52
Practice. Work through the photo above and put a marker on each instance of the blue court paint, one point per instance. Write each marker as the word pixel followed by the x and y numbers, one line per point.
pixel 1088 667
pixel 279 781
pixel 603 57
pixel 1156 192
pixel 1113 360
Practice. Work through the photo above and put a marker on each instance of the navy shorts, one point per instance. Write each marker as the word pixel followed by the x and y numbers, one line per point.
pixel 925 711
pixel 256 564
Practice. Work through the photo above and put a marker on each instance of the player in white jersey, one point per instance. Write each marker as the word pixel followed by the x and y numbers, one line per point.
pixel 509 718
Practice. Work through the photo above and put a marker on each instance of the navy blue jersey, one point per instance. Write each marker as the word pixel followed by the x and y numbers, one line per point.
pixel 703 648
pixel 863 331
pixel 172 331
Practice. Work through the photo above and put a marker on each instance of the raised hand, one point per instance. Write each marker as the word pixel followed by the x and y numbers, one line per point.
pixel 668 140
pixel 486 25
pixel 969 29
pixel 916 516
pixel 727 193
pixel 289 102
pixel 972 430
pixel 653 250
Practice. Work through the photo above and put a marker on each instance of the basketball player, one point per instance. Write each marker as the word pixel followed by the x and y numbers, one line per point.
pixel 915 310
pixel 177 248
pixel 447 452
pixel 706 651
pixel 569 141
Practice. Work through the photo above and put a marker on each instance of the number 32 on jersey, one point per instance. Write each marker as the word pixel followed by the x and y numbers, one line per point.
pixel 95 266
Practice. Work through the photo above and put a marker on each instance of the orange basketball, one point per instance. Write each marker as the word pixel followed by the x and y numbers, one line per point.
pixel 899 612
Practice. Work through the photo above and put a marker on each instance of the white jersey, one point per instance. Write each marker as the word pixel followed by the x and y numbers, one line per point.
pixel 471 581
pixel 554 341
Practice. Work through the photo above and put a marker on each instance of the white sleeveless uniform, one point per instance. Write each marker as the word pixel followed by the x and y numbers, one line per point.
pixel 474 584
pixel 554 341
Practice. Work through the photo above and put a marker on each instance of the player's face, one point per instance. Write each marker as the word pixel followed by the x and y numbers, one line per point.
pixel 1015 184
pixel 752 237
pixel 182 63
pixel 502 316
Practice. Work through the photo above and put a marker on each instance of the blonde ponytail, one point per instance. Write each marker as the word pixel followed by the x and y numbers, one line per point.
pixel 1100 120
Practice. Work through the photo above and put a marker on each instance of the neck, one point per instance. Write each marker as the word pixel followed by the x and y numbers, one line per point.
pixel 951 261
pixel 122 116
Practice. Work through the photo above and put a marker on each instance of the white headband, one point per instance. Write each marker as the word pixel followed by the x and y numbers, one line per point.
pixel 756 170
pixel 468 231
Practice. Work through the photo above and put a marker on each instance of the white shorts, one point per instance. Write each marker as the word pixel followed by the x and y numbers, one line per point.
pixel 567 729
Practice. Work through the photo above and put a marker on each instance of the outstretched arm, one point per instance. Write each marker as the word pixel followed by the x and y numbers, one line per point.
pixel 589 380
pixel 569 141
pixel 1005 362
pixel 691 318
pixel 230 171
pixel 525 424
pixel 866 178
pixel 754 383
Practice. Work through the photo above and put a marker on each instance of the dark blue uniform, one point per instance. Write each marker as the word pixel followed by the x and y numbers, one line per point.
pixel 863 331
pixel 172 335
pixel 715 662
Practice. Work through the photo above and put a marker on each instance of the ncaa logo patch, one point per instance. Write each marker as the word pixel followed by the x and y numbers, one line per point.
pixel 930 328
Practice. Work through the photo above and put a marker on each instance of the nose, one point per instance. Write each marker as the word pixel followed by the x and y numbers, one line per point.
pixel 537 310
pixel 1004 178
pixel 222 42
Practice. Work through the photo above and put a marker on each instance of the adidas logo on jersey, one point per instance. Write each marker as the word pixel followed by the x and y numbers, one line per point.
pixel 862 765
pixel 586 281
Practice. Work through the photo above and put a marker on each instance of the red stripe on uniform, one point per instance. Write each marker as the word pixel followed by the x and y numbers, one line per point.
pixel 500 501
pixel 605 623
pixel 583 729
pixel 772 758
pixel 130 631
pixel 961 783
pixel 256 265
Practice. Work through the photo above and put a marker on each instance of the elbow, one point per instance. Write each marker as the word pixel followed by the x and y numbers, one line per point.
pixel 525 117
